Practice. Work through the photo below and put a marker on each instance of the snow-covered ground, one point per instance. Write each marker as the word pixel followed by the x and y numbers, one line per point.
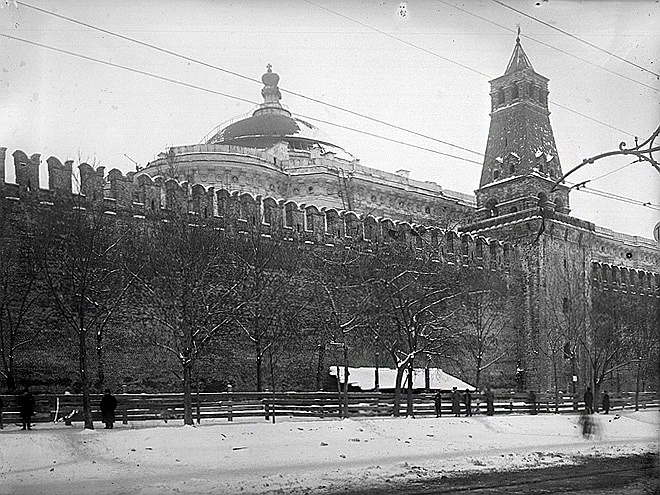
pixel 299 456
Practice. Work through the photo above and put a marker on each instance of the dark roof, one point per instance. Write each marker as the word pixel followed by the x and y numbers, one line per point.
pixel 518 60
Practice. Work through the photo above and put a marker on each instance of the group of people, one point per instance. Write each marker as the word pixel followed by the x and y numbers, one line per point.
pixel 26 406
pixel 589 402
pixel 465 398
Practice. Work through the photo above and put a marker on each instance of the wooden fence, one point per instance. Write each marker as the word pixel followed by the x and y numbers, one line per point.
pixel 233 405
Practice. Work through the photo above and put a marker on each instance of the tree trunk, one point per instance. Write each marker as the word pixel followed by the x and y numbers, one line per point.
pixel 259 363
pixel 397 392
pixel 187 393
pixel 84 379
pixel 556 380
pixel 345 381
pixel 409 395
pixel 639 364
pixel 478 375
pixel 100 379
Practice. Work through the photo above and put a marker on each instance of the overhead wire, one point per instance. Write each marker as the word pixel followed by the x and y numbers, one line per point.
pixel 548 45
pixel 193 86
pixel 592 45
pixel 247 78
pixel 430 52
pixel 226 95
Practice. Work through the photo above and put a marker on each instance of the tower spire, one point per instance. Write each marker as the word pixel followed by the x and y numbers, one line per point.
pixel 521 159
pixel 519 59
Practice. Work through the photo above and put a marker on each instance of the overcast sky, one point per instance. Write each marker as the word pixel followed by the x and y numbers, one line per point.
pixel 426 71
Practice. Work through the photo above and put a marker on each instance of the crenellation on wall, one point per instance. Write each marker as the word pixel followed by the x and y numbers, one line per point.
pixel 3 157
pixel 120 187
pixel 27 172
pixel 139 195
pixel 59 176
pixel 92 181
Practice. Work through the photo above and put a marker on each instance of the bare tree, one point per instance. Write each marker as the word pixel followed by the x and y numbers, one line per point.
pixel 268 287
pixel 19 292
pixel 189 291
pixel 417 297
pixel 485 318
pixel 80 254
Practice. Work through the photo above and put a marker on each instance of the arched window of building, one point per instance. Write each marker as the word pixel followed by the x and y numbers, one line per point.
pixel 514 92
pixel 491 206
pixel 288 215
pixel 309 219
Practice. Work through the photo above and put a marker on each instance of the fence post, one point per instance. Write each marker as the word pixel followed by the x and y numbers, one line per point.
pixel 198 410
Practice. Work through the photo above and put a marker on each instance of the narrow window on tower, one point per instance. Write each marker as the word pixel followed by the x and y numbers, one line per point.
pixel 496 174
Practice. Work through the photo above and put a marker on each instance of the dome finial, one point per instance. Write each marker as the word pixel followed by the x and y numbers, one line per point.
pixel 270 91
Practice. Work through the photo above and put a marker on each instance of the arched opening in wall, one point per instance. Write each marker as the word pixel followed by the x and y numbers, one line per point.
pixel 352 225
pixel 288 215
pixel 268 213
pixel 491 207
pixel 540 163
pixel 370 229
pixel 513 209
pixel 309 220
pixel 543 198
pixel 500 96
pixel 559 204
pixel 514 92
pixel 496 174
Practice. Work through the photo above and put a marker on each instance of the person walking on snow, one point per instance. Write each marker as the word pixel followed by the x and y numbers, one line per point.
pixel 26 408
pixel 606 402
pixel 490 400
pixel 455 402
pixel 467 399
pixel 108 406
pixel 589 401
pixel 438 404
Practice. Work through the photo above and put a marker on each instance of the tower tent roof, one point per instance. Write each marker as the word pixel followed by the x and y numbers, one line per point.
pixel 519 59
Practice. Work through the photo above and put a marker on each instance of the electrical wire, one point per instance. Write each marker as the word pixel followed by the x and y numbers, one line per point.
pixel 193 86
pixel 430 52
pixel 576 37
pixel 226 95
pixel 548 45
pixel 247 78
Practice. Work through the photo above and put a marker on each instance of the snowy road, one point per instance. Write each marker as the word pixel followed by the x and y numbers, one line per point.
pixel 302 456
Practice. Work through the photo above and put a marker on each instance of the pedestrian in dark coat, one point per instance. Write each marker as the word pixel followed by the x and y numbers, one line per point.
pixel 467 399
pixel 589 401
pixel 26 408
pixel 438 404
pixel 606 402
pixel 490 402
pixel 108 406
pixel 455 402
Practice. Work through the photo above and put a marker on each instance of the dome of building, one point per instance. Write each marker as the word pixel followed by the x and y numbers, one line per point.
pixel 271 123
